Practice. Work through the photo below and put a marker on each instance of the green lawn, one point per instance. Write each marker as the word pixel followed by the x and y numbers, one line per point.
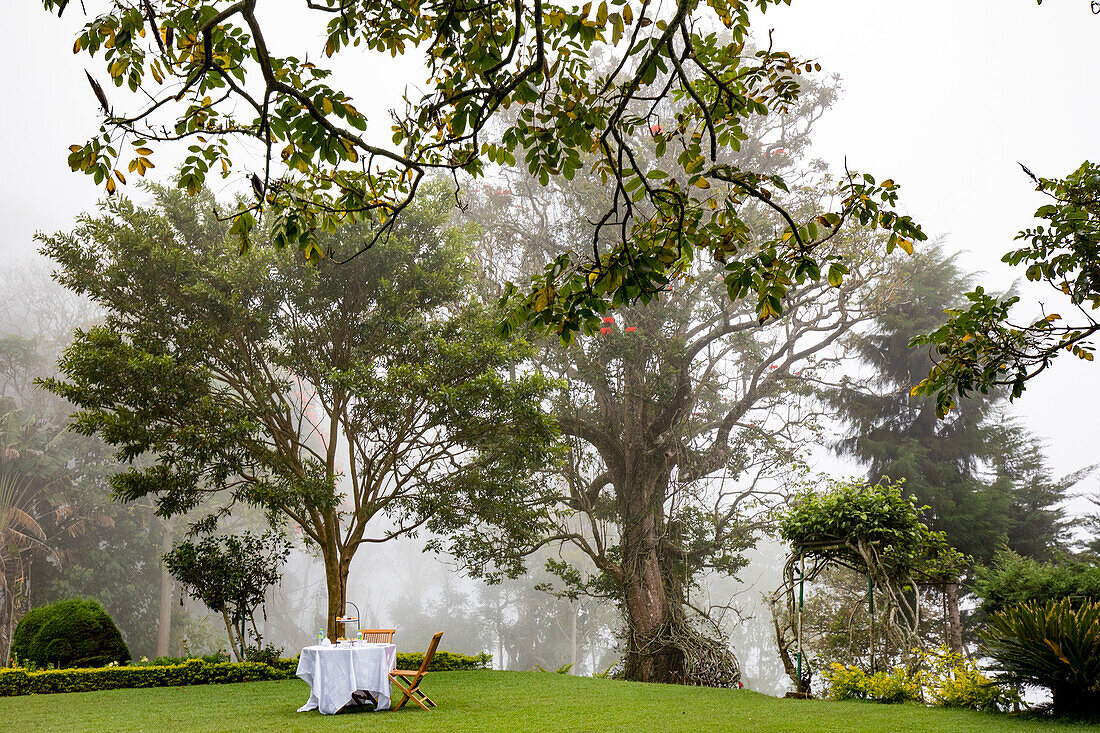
pixel 485 701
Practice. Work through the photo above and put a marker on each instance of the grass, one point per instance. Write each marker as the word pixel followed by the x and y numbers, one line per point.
pixel 488 701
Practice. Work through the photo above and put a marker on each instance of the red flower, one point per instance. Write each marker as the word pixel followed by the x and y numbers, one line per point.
pixel 605 329
pixel 608 319
pixel 630 328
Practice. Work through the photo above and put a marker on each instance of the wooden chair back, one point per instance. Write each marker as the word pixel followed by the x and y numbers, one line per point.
pixel 428 655
pixel 378 636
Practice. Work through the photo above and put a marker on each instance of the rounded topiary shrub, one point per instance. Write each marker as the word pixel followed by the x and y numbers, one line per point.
pixel 72 633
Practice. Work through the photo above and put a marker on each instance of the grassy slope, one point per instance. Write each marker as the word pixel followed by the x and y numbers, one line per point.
pixel 485 701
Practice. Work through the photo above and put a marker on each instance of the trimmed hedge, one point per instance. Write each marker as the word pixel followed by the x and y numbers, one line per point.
pixel 445 661
pixel 192 672
pixel 73 633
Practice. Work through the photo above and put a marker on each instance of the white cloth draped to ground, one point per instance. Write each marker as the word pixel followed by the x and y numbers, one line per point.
pixel 333 673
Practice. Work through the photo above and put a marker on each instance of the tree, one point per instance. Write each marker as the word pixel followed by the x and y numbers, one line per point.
pixel 32 468
pixel 231 574
pixel 328 396
pixel 943 462
pixel 1037 525
pixel 875 530
pixel 98 548
pixel 981 347
pixel 588 84
pixel 682 416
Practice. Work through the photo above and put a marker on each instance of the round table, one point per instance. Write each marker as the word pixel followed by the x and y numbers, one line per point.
pixel 335 672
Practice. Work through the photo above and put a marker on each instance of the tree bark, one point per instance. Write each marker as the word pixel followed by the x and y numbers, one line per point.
pixel 336 583
pixel 649 608
pixel 954 620
pixel 164 616
pixel 234 640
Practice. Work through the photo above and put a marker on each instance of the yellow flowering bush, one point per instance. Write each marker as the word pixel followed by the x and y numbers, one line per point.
pixel 943 678
pixel 954 681
pixel 852 683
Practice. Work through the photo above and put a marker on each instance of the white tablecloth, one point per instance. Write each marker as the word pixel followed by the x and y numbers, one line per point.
pixel 334 672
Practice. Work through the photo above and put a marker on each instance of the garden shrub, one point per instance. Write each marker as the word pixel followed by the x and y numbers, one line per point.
pixel 893 687
pixel 1012 580
pixel 950 680
pixel 269 654
pixel 852 683
pixel 845 682
pixel 72 633
pixel 947 680
pixel 192 672
pixel 1053 644
pixel 445 661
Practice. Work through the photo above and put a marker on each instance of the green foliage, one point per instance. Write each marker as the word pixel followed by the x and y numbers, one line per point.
pixel 834 522
pixel 852 683
pixel 569 110
pixel 893 687
pixel 231 574
pixel 979 347
pixel 179 672
pixel 1012 580
pixel 191 672
pixel 954 681
pixel 69 633
pixel 943 678
pixel 444 661
pixel 236 375
pixel 897 434
pixel 1054 644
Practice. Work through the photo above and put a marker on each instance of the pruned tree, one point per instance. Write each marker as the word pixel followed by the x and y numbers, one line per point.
pixel 589 85
pixel 877 532
pixel 331 397
pixel 231 575
pixel 33 466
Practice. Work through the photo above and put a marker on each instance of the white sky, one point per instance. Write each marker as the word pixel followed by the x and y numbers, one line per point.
pixel 943 96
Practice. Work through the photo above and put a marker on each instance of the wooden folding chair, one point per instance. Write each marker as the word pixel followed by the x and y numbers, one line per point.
pixel 409 681
pixel 378 636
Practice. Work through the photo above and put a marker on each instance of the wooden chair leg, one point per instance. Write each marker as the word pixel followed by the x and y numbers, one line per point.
pixel 410 692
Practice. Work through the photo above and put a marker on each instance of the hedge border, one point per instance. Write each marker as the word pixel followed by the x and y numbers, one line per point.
pixel 192 672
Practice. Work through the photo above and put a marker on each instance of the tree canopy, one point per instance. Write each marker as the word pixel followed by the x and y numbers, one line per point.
pixel 331 397
pixel 591 88
pixel 231 574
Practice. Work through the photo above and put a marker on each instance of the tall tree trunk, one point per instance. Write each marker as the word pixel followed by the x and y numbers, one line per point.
pixel 649 608
pixel 336 583
pixel 164 617
pixel 954 620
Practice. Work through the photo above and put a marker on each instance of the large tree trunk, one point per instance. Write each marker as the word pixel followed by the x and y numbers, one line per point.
pixel 954 620
pixel 649 608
